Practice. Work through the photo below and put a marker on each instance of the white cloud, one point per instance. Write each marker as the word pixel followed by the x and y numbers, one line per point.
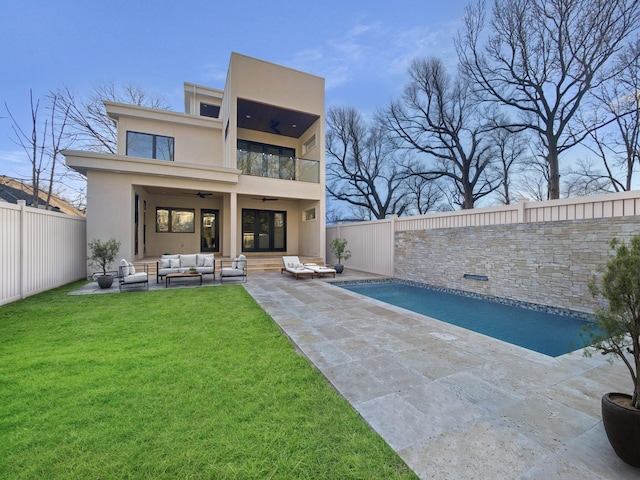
pixel 372 50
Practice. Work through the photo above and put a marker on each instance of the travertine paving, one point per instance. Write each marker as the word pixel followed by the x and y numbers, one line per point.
pixel 452 403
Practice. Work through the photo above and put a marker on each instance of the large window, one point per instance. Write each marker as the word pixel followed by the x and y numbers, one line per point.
pixel 264 231
pixel 263 160
pixel 175 220
pixel 146 145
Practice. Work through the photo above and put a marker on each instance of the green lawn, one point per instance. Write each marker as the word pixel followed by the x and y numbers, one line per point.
pixel 176 384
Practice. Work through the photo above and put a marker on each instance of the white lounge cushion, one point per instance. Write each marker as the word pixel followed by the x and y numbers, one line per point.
pixel 231 272
pixel 136 278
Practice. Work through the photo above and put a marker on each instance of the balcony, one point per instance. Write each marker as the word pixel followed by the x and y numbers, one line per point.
pixel 278 166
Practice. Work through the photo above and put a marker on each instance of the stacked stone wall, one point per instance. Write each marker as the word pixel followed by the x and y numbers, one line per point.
pixel 548 263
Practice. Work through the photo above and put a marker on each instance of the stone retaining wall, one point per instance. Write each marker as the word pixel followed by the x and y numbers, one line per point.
pixel 548 263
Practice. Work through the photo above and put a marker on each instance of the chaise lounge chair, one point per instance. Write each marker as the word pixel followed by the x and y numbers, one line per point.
pixel 293 266
pixel 320 270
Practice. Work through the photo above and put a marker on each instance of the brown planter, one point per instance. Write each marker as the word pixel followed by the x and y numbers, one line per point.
pixel 622 425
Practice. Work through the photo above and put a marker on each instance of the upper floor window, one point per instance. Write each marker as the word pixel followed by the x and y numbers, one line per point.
pixel 309 144
pixel 208 110
pixel 146 145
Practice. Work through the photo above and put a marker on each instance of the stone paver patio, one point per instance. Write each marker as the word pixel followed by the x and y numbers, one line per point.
pixel 451 402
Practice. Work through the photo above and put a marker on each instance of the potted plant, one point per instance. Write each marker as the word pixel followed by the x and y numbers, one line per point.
pixel 338 247
pixel 102 256
pixel 617 333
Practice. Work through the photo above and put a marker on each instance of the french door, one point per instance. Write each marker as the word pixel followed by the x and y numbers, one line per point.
pixel 209 231
pixel 264 230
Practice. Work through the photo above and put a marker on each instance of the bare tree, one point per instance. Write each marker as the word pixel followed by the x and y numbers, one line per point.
pixel 511 150
pixel 532 180
pixel 426 194
pixel 88 119
pixel 363 169
pixel 441 118
pixel 617 105
pixel 541 57
pixel 585 179
pixel 42 143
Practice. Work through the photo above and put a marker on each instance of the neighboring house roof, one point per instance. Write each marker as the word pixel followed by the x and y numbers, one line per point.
pixel 12 190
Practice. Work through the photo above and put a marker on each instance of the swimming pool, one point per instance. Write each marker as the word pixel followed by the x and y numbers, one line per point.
pixel 547 333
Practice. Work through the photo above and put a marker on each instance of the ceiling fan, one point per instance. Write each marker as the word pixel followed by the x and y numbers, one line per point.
pixel 203 195
pixel 273 125
pixel 266 199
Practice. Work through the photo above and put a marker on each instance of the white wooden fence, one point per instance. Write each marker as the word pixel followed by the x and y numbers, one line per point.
pixel 372 243
pixel 39 250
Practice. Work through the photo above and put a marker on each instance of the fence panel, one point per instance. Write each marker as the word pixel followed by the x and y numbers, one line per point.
pixel 39 250
pixel 370 243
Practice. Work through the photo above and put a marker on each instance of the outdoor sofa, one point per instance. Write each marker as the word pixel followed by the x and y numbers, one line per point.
pixel 203 263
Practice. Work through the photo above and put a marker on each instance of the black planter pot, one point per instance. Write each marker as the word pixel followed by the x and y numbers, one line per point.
pixel 338 268
pixel 105 281
pixel 623 428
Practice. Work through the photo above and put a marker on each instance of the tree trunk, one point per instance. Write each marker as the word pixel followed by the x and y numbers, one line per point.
pixel 554 173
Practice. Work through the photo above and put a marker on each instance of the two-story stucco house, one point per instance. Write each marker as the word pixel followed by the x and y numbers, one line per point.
pixel 241 171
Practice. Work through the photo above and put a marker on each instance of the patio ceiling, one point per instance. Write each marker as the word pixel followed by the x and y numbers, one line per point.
pixel 271 119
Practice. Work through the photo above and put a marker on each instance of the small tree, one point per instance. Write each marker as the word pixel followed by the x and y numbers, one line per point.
pixel 338 249
pixel 618 322
pixel 103 254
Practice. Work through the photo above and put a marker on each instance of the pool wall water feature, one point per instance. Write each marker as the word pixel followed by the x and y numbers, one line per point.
pixel 548 263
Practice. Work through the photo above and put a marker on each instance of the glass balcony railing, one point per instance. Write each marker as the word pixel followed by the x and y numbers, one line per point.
pixel 278 166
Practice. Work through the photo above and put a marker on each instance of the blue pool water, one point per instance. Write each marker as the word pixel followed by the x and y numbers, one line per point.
pixel 547 333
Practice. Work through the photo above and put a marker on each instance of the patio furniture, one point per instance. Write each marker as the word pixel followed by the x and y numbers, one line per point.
pixel 169 276
pixel 128 277
pixel 237 269
pixel 320 270
pixel 293 266
pixel 203 263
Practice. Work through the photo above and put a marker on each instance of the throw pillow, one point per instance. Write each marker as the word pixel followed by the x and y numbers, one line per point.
pixel 124 268
pixel 165 263
pixel 175 262
pixel 208 261
pixel 132 269
pixel 188 261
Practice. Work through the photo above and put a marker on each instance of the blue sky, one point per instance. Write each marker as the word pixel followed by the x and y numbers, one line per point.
pixel 362 49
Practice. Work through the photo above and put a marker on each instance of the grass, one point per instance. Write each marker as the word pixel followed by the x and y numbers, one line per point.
pixel 175 384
